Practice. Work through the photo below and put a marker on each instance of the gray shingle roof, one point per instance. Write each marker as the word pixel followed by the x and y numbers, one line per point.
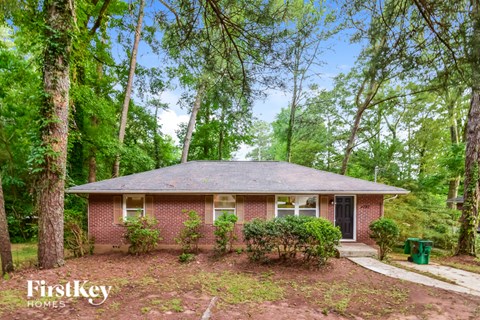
pixel 455 200
pixel 247 177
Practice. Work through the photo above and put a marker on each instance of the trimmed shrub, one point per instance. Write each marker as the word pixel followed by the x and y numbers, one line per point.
pixel 313 238
pixel 292 235
pixel 385 232
pixel 260 237
pixel 190 234
pixel 323 236
pixel 142 234
pixel 224 232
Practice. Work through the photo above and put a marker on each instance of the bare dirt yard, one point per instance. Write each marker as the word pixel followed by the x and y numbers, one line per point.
pixel 157 286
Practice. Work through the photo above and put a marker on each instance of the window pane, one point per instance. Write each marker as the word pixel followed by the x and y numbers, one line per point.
pixel 224 201
pixel 134 202
pixel 134 213
pixel 286 202
pixel 307 202
pixel 309 213
pixel 283 213
pixel 218 212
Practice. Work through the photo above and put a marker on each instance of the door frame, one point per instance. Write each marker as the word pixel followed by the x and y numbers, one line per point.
pixel 354 215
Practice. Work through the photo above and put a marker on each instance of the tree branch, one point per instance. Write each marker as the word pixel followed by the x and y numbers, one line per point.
pixel 101 14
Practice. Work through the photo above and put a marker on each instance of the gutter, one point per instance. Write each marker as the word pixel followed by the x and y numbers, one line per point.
pixel 239 192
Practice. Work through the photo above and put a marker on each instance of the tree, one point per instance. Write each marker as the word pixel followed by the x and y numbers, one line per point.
pixel 59 15
pixel 470 215
pixel 261 133
pixel 221 125
pixel 389 56
pixel 128 89
pixel 20 96
pixel 191 123
pixel 218 43
pixel 302 53
pixel 5 247
pixel 466 16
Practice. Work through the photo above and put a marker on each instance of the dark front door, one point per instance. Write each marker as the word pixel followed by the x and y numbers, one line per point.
pixel 344 215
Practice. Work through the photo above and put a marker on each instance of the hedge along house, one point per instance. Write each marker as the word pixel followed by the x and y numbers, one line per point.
pixel 249 189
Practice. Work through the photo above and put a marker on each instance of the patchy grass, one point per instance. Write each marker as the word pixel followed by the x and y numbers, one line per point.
pixel 425 273
pixel 145 310
pixel 156 284
pixel 175 305
pixel 11 300
pixel 441 257
pixel 24 255
pixel 463 266
pixel 338 297
pixel 236 288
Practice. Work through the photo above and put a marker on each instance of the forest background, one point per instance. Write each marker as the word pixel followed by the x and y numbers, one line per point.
pixel 379 90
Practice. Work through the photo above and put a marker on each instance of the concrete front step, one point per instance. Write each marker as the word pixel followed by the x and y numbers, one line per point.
pixel 355 249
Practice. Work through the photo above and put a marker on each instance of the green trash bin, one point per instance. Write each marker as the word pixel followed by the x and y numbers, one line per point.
pixel 419 250
pixel 407 248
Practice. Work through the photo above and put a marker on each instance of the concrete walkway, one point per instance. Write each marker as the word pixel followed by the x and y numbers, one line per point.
pixel 394 272
pixel 463 278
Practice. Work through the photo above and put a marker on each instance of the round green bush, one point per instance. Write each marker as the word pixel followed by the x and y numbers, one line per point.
pixel 385 232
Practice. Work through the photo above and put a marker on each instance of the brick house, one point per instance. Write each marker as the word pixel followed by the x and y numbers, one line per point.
pixel 249 189
pixel 458 201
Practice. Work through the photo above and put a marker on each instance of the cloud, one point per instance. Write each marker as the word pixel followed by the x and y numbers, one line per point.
pixel 170 121
pixel 344 67
pixel 241 154
pixel 171 98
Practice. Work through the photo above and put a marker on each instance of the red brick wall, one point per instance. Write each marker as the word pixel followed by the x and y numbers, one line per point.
pixel 168 211
pixel 100 221
pixel 369 208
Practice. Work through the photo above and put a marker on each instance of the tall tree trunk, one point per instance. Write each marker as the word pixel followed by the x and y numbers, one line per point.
pixel 293 109
pixel 156 139
pixel 128 89
pixel 361 108
pixel 51 181
pixel 5 247
pixel 92 169
pixel 373 85
pixel 191 122
pixel 454 182
pixel 469 218
pixel 221 136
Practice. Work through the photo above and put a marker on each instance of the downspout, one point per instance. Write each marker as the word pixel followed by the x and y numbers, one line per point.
pixel 383 206
pixel 391 198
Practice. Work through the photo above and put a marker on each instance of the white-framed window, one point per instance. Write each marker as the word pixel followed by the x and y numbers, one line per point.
pixel 297 205
pixel 223 203
pixel 133 205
